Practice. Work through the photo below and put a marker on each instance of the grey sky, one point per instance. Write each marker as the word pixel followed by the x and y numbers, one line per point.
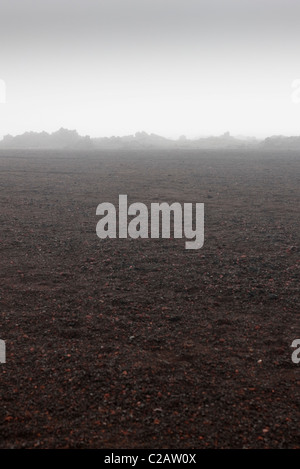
pixel 108 67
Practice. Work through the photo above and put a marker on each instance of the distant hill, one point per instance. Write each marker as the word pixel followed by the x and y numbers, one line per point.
pixel 144 140
pixel 70 139
pixel 281 142
pixel 61 139
pixel 139 140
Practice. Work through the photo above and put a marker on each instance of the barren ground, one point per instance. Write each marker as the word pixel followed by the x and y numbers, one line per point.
pixel 142 343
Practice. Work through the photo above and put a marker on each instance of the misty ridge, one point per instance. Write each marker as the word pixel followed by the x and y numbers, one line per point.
pixel 70 139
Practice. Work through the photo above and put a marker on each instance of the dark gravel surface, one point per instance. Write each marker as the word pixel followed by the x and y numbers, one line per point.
pixel 142 343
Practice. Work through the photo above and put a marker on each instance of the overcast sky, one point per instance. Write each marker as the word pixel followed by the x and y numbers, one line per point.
pixel 172 67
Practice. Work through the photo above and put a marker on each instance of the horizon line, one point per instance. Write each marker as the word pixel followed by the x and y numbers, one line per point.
pixel 175 139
